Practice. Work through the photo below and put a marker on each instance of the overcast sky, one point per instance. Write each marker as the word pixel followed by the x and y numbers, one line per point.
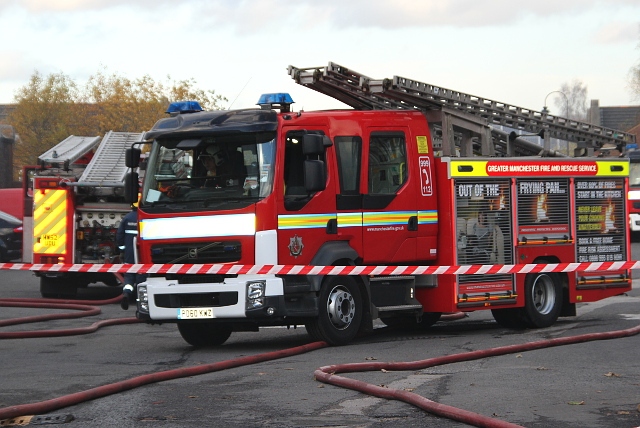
pixel 515 52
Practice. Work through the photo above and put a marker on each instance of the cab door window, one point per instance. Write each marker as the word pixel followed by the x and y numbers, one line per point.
pixel 348 154
pixel 387 163
pixel 387 168
pixel 295 193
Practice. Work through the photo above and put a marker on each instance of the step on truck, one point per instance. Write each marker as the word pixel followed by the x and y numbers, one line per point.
pixel 410 175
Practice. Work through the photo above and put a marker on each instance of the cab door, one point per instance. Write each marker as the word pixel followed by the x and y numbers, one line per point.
pixel 306 220
pixel 390 202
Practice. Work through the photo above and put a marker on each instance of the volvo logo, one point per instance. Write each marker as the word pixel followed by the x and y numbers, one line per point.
pixel 193 253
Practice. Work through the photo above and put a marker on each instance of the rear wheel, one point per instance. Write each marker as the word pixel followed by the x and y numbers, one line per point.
pixel 201 334
pixel 542 304
pixel 543 299
pixel 58 287
pixel 340 311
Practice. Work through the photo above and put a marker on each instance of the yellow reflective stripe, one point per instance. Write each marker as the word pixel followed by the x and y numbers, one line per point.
pixel 355 219
pixel 350 219
pixel 384 218
pixel 613 168
pixel 427 217
pixel 471 169
pixel 304 221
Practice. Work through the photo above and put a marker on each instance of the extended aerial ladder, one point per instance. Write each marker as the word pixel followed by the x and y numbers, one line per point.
pixel 463 124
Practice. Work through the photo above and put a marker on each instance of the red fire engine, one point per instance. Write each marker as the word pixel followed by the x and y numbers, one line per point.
pixel 413 175
pixel 78 202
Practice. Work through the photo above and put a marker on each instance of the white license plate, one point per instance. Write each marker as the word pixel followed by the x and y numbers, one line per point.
pixel 194 313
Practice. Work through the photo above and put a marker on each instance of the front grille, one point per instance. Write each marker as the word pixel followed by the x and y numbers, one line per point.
pixel 197 252
pixel 198 279
pixel 196 300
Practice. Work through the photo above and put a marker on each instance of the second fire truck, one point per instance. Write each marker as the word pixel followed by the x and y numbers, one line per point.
pixel 412 175
pixel 73 209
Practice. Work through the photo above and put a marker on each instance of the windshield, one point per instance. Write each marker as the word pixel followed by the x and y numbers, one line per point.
pixel 206 174
pixel 634 174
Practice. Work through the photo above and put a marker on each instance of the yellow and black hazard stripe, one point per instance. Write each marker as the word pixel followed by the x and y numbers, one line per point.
pixel 50 222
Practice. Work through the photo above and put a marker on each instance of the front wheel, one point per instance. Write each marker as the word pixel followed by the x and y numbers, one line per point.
pixel 340 311
pixel 202 334
pixel 509 318
pixel 410 323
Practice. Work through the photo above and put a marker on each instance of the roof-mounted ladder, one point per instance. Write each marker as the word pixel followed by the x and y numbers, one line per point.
pixel 66 152
pixel 460 117
pixel 107 167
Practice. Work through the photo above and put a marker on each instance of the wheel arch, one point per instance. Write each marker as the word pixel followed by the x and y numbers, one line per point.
pixel 334 253
pixel 340 253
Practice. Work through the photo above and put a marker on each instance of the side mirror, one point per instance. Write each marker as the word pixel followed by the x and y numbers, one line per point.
pixel 132 157
pixel 314 144
pixel 131 187
pixel 315 177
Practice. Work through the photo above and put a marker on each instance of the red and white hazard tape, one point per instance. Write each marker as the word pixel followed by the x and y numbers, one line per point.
pixel 231 269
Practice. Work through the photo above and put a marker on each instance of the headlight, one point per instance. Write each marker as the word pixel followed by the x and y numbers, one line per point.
pixel 255 290
pixel 255 294
pixel 143 298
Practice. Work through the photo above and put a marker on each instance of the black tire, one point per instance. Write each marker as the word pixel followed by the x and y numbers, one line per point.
pixel 203 334
pixel 111 281
pixel 58 288
pixel 340 311
pixel 509 318
pixel 410 324
pixel 543 299
pixel 3 255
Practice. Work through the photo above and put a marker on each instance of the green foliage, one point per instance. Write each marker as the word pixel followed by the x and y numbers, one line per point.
pixel 51 108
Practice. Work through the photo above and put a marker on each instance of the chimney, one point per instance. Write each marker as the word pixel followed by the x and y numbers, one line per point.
pixel 594 113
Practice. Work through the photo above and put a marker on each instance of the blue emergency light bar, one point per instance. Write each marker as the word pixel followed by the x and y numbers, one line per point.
pixel 280 100
pixel 180 107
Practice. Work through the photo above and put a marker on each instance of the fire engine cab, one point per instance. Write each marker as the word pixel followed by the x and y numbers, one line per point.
pixel 412 175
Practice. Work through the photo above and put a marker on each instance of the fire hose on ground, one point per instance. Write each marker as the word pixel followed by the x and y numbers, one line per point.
pixel 326 374
pixel 85 308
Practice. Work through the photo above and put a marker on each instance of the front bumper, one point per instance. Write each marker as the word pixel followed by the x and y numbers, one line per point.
pixel 227 300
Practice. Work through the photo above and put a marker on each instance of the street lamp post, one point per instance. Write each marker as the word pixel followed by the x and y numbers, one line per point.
pixel 545 111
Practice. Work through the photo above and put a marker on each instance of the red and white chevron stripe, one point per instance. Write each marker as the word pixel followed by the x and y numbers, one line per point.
pixel 322 270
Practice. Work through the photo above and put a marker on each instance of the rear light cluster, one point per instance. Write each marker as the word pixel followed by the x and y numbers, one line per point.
pixel 51 260
pixel 48 184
